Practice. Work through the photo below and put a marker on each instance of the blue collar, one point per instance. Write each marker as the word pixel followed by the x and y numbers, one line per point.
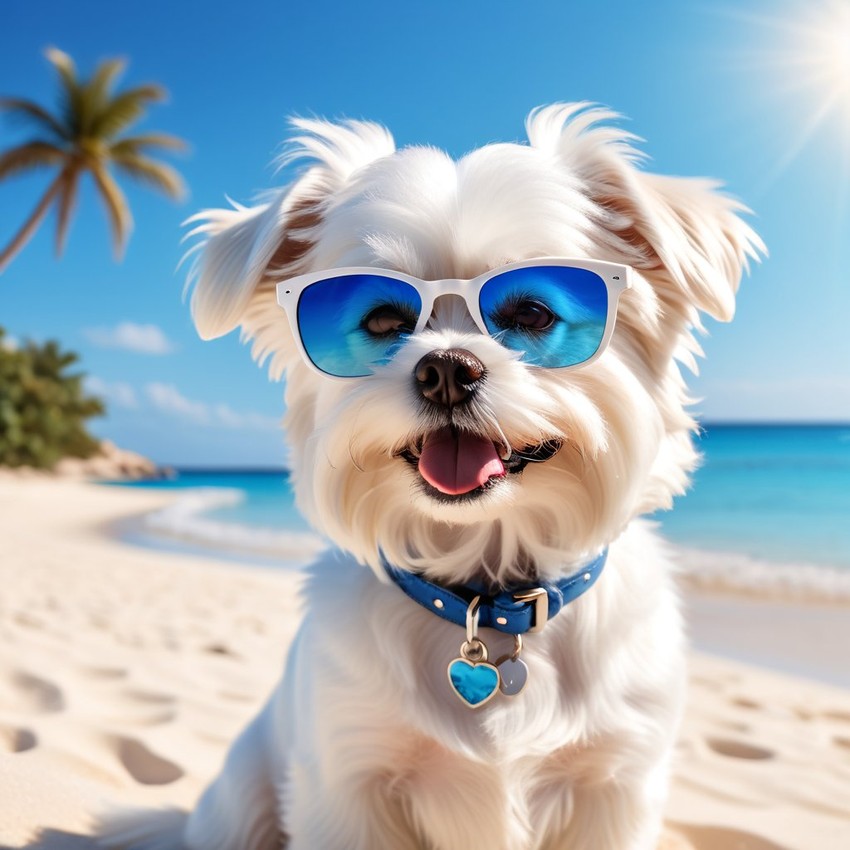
pixel 516 610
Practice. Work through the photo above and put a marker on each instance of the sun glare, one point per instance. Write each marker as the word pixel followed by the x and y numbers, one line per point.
pixel 801 51
pixel 825 49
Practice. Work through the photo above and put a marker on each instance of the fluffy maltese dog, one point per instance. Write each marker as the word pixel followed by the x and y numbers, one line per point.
pixel 483 392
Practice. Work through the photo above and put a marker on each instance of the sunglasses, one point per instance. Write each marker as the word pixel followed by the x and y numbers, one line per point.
pixel 557 313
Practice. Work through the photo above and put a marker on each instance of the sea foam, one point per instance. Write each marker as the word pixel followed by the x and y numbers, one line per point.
pixel 742 574
pixel 184 520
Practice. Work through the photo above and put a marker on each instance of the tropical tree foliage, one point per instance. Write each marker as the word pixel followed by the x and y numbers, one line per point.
pixel 43 407
pixel 84 136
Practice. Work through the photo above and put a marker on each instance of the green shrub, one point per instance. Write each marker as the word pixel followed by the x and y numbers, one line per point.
pixel 43 409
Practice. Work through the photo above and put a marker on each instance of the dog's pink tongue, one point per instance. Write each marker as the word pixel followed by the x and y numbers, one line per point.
pixel 456 462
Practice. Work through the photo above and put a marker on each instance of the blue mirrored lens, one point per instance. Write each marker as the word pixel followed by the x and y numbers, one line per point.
pixel 555 315
pixel 351 323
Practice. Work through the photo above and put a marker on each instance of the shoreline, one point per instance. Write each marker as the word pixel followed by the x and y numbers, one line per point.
pixel 736 607
pixel 184 522
pixel 125 672
pixel 181 526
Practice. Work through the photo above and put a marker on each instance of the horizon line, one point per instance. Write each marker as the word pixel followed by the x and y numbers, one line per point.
pixel 719 423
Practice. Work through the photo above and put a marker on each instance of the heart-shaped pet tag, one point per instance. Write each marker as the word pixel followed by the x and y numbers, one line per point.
pixel 474 682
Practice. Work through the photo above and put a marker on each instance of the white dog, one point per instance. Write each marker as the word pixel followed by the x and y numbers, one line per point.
pixel 491 438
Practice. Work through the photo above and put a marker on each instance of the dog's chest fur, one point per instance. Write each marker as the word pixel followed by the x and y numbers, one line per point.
pixel 375 701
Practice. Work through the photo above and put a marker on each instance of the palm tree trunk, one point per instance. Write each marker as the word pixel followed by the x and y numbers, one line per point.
pixel 26 232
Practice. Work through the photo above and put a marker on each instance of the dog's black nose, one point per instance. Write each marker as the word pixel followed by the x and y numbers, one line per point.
pixel 449 377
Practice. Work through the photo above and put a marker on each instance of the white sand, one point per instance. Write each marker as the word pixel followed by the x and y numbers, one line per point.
pixel 124 673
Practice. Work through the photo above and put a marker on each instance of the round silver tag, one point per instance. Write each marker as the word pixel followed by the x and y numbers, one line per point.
pixel 513 674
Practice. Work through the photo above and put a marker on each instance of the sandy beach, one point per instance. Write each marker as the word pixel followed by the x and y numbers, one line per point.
pixel 125 672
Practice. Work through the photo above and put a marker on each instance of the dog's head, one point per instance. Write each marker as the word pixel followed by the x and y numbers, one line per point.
pixel 590 448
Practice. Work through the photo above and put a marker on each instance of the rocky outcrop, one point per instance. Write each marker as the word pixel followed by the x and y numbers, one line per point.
pixel 110 463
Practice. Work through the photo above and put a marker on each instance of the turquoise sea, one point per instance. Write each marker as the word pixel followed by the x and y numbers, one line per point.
pixel 776 493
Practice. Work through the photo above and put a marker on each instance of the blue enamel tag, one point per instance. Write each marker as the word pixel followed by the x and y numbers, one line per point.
pixel 474 683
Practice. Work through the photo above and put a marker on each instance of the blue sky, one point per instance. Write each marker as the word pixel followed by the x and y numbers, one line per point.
pixel 714 89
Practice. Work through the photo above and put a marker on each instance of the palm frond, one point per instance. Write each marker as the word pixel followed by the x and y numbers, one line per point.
pixel 31 224
pixel 120 220
pixel 31 113
pixel 140 143
pixel 64 66
pixel 71 89
pixel 155 174
pixel 66 205
pixel 105 75
pixel 125 109
pixel 30 156
pixel 95 93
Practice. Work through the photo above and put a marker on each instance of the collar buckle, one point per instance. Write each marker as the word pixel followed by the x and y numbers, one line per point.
pixel 540 598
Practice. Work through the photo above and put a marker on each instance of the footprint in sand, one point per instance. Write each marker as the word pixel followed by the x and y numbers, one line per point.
pixel 839 741
pixel 15 740
pixel 803 714
pixel 28 693
pixel 841 716
pixel 148 697
pixel 145 766
pixel 738 749
pixel 217 648
pixel 744 702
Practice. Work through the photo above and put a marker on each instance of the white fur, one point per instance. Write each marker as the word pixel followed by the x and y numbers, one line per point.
pixel 362 746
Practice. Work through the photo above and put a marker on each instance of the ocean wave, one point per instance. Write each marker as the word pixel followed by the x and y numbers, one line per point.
pixel 736 573
pixel 184 520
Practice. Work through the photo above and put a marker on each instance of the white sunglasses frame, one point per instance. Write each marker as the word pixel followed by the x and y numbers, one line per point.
pixel 616 276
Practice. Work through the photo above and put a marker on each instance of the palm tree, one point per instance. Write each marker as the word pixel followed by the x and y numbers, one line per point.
pixel 84 137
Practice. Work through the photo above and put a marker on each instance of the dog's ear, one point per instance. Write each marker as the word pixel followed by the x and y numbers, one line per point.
pixel 234 259
pixel 689 235
pixel 687 231
pixel 244 251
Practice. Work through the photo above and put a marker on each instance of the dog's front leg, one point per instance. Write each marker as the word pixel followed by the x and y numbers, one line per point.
pixel 370 817
pixel 460 804
pixel 623 813
pixel 423 798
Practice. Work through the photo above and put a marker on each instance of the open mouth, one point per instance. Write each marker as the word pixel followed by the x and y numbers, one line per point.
pixel 457 465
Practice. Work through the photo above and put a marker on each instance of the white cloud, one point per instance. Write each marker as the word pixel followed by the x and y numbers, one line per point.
pixel 231 418
pixel 168 399
pixel 9 343
pixel 116 392
pixel 143 339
